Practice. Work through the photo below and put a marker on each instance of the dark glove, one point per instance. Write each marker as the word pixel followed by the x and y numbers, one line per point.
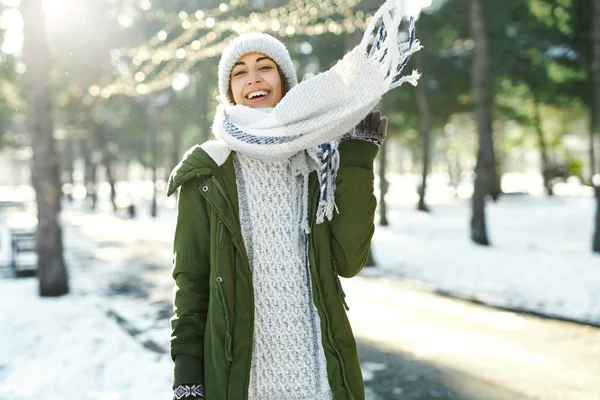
pixel 373 129
pixel 188 392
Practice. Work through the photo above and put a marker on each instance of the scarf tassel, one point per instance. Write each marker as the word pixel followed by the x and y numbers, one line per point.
pixel 386 49
pixel 329 162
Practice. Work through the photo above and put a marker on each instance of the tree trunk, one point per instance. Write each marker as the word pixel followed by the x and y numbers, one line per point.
pixel 453 166
pixel 478 229
pixel 176 154
pixel 106 135
pixel 486 178
pixel 591 152
pixel 596 181
pixel 383 185
pixel 154 147
pixel 68 167
pixel 596 238
pixel 52 271
pixel 203 94
pixel 546 172
pixel 89 174
pixel 425 113
pixel 370 260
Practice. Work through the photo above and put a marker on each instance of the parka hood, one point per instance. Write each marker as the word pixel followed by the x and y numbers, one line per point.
pixel 199 160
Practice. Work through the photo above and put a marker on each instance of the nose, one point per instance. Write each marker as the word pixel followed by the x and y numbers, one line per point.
pixel 253 77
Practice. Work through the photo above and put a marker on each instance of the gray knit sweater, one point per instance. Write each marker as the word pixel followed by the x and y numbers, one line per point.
pixel 288 360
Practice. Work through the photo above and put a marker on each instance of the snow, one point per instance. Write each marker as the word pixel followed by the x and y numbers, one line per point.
pixel 66 348
pixel 92 346
pixel 540 259
pixel 369 369
pixel 70 347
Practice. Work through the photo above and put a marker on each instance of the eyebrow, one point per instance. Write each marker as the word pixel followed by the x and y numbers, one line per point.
pixel 257 60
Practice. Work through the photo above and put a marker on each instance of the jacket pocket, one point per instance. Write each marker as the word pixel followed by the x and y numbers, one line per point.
pixel 221 291
pixel 221 235
pixel 338 283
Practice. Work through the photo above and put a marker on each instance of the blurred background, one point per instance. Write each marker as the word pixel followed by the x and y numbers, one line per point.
pixel 485 265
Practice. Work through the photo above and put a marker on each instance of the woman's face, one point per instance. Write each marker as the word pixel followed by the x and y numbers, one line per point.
pixel 255 81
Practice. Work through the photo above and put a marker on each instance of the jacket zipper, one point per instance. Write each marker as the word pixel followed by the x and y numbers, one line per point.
pixel 218 185
pixel 221 234
pixel 330 333
pixel 241 246
pixel 227 335
pixel 245 256
pixel 320 291
pixel 339 285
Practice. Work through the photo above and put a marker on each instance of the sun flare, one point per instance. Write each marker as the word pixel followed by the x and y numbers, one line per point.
pixel 54 8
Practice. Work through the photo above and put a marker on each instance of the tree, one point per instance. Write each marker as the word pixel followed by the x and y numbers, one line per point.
pixel 596 239
pixel 546 174
pixel 425 112
pixel 52 271
pixel 383 185
pixel 529 66
pixel 444 87
pixel 105 133
pixel 486 178
pixel 572 24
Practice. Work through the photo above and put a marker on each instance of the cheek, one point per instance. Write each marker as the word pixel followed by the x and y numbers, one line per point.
pixel 236 89
pixel 275 81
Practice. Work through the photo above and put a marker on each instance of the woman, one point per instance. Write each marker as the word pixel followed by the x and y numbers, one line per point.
pixel 259 308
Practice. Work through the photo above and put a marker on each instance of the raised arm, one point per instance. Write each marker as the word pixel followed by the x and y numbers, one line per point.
pixel 353 228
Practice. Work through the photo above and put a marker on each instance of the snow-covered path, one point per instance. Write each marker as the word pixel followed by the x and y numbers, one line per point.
pixel 72 347
pixel 67 348
pixel 540 259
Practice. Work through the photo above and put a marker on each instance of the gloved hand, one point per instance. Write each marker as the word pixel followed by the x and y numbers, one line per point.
pixel 188 392
pixel 373 128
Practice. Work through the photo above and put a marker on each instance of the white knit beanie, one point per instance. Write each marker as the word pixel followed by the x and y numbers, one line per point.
pixel 254 42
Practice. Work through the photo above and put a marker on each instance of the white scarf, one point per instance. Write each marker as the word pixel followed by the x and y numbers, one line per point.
pixel 326 106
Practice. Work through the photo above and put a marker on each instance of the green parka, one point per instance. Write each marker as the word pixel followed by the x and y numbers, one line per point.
pixel 211 342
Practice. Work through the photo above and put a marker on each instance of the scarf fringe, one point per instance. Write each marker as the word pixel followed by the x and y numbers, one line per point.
pixel 303 118
pixel 328 161
pixel 386 48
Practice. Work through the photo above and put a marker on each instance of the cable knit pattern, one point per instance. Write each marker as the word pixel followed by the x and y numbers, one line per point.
pixel 288 360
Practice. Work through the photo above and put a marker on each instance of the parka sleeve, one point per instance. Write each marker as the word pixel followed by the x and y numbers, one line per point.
pixel 353 228
pixel 191 274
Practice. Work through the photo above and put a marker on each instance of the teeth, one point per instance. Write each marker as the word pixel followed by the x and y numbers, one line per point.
pixel 256 94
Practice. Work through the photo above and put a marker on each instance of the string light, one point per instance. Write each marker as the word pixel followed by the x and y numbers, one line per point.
pixel 190 47
pixel 161 15
pixel 193 20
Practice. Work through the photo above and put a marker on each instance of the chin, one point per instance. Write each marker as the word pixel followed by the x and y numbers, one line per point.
pixel 259 105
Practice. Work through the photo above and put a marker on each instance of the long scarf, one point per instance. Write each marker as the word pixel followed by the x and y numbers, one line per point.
pixel 326 106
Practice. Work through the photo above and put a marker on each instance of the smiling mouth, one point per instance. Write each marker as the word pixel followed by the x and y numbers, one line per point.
pixel 259 94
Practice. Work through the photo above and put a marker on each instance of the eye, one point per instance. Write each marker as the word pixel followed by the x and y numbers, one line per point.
pixel 266 67
pixel 239 72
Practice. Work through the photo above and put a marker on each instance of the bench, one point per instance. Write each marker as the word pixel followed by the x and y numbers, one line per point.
pixel 23 241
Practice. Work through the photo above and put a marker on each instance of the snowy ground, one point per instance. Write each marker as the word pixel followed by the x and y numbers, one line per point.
pixel 75 346
pixel 540 259
pixel 67 348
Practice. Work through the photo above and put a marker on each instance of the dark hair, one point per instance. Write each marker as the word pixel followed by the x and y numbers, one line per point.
pixel 284 86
